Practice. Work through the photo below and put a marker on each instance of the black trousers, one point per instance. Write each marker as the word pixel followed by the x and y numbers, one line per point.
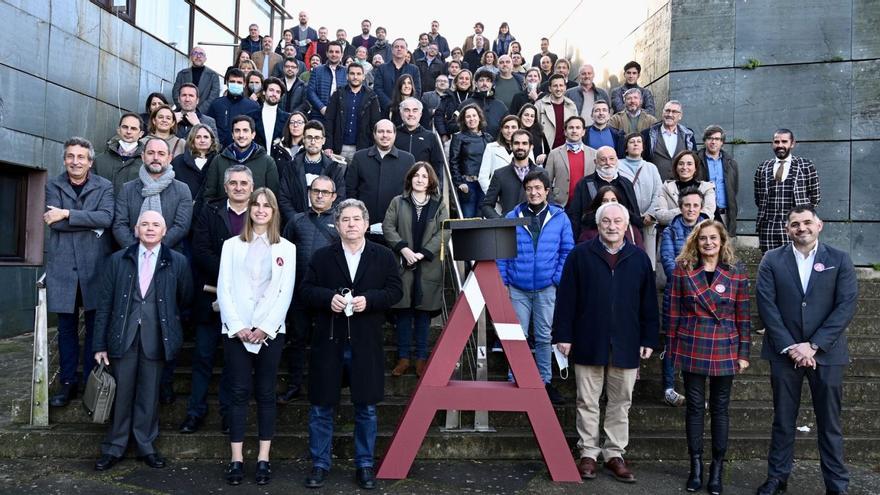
pixel 695 410
pixel 826 388
pixel 299 333
pixel 247 373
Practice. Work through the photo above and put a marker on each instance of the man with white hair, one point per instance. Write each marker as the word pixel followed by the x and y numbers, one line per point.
pixel 606 174
pixel 611 277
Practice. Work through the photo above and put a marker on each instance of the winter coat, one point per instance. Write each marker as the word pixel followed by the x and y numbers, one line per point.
pixel 618 105
pixel 385 77
pixel 422 145
pixel 376 180
pixel 538 268
pixel 75 252
pixel 226 108
pixel 281 118
pixel 262 167
pixel 547 116
pixel 186 171
pixel 667 203
pixel 294 99
pixel 672 242
pixel 309 231
pixel 210 230
pixel 320 83
pixel 367 114
pixel 446 116
pixel 116 168
pixel 493 109
pixel 587 187
pixel 177 208
pixel 293 197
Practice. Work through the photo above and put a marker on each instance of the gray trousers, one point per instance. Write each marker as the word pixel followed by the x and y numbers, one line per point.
pixel 136 409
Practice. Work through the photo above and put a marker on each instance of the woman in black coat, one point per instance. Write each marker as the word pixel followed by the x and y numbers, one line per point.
pixel 284 149
pixel 528 119
pixel 446 118
pixel 191 167
pixel 466 156
pixel 404 88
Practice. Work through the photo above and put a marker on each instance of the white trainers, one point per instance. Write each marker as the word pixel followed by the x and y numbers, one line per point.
pixel 673 398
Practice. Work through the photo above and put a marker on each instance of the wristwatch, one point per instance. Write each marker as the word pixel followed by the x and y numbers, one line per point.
pixel 814 347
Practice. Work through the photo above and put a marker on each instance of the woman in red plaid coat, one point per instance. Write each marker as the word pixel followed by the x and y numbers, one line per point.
pixel 708 334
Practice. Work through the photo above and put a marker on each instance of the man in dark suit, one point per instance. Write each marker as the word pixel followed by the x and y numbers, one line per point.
pixel 206 80
pixel 667 138
pixel 506 187
pixel 807 294
pixel 349 285
pixel 721 169
pixel 146 284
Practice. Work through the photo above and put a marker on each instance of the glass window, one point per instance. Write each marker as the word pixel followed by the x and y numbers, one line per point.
pixel 167 20
pixel 254 12
pixel 13 194
pixel 221 10
pixel 207 31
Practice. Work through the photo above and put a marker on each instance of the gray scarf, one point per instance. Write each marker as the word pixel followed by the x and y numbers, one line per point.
pixel 153 188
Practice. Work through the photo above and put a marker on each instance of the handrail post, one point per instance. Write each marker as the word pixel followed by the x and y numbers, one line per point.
pixel 40 383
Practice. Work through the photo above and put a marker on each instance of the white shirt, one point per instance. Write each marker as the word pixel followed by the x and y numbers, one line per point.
pixel 785 163
pixel 670 138
pixel 353 259
pixel 153 257
pixel 804 264
pixel 259 264
pixel 269 114
pixel 237 212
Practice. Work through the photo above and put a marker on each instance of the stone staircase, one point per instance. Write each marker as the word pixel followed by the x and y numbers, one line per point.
pixel 657 430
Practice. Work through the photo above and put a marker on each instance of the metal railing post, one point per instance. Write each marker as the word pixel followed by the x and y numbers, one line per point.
pixel 40 383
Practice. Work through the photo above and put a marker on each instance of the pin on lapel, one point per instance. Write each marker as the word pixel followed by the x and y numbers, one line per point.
pixel 720 288
pixel 279 261
pixel 819 267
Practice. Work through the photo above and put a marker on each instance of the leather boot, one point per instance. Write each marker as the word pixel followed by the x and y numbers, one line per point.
pixel 420 367
pixel 402 366
pixel 716 473
pixel 695 477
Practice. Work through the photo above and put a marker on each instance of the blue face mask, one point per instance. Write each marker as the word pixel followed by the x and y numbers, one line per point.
pixel 236 89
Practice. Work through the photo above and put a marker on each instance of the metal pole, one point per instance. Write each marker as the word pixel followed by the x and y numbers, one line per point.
pixel 481 418
pixel 40 384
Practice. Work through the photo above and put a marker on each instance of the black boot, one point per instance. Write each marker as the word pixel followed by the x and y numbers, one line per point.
pixel 695 477
pixel 716 473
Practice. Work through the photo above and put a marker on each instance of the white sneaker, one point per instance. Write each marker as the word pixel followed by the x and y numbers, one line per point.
pixel 673 398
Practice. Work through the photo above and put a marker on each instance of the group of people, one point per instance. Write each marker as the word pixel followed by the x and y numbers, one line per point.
pixel 314 207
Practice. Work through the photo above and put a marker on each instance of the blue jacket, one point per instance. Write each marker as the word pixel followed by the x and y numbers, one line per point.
pixel 320 82
pixel 536 270
pixel 384 79
pixel 606 315
pixel 224 109
pixel 672 241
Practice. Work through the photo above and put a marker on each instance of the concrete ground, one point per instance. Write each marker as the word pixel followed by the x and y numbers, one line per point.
pixel 71 476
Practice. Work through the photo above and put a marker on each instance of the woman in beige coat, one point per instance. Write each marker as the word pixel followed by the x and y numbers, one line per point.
pixel 686 173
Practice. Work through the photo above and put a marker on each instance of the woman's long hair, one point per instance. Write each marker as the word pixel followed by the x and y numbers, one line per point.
pixel 191 139
pixel 690 253
pixel 433 182
pixel 500 139
pixel 273 232
pixel 397 95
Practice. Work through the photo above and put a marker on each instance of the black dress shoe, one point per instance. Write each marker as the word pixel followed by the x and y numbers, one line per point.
pixel 555 397
pixel 772 486
pixel 291 394
pixel 106 461
pixel 191 424
pixel 166 393
pixel 235 473
pixel 224 426
pixel 65 394
pixel 153 460
pixel 316 478
pixel 365 478
pixel 264 473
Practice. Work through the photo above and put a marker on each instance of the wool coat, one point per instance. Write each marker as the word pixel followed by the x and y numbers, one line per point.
pixel 667 201
pixel 177 208
pixel 77 246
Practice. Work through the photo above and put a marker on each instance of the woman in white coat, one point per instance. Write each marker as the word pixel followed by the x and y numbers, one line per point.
pixel 254 290
pixel 686 175
pixel 498 154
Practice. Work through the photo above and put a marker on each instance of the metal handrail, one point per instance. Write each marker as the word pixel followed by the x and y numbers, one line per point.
pixel 39 417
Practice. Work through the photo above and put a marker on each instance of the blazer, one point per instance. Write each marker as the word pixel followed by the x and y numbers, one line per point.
pixel 177 209
pixel 819 315
pixel 259 59
pixel 559 171
pixel 238 309
pixel 385 77
pixel 547 117
pixel 495 157
pixel 708 327
pixel 731 185
pixel 281 118
pixel 209 86
pixel 655 148
pixel 506 189
pixel 806 185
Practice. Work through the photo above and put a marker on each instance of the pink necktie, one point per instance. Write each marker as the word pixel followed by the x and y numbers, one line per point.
pixel 146 273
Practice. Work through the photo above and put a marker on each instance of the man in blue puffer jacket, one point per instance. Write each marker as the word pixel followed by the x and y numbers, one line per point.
pixel 690 203
pixel 532 277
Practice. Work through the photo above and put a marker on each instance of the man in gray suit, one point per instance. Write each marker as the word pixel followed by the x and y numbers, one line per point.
pixel 807 295
pixel 202 76
pixel 146 284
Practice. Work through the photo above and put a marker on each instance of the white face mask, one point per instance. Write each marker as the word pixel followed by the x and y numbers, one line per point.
pixel 127 147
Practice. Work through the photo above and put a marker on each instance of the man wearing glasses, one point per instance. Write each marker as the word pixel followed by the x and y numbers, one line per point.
pixel 667 138
pixel 297 178
pixel 206 80
pixel 720 168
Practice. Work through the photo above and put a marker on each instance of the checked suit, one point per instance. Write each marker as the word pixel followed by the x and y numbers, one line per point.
pixel 774 198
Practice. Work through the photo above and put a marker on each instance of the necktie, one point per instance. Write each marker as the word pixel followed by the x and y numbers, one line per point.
pixel 779 170
pixel 333 81
pixel 146 274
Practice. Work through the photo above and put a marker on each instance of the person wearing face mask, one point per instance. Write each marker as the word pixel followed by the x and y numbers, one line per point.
pixel 121 161
pixel 586 189
pixel 686 175
pixel 224 109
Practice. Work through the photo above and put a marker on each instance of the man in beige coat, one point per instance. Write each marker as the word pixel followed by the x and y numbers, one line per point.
pixel 633 118
pixel 554 110
pixel 267 59
pixel 558 164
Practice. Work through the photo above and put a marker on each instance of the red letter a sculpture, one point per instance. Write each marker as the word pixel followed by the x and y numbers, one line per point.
pixel 436 391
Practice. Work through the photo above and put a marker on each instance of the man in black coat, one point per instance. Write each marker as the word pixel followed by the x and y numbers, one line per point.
pixel 807 294
pixel 484 97
pixel 350 285
pixel 298 174
pixel 376 174
pixel 506 187
pixel 605 175
pixel 217 221
pixel 417 140
pixel 351 131
pixel 138 328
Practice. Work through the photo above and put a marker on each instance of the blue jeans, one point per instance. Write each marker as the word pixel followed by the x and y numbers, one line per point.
pixel 536 306
pixel 668 371
pixel 366 425
pixel 406 320
pixel 470 202
pixel 68 345
pixel 208 335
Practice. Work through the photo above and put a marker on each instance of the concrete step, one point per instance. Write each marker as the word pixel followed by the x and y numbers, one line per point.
pixel 82 442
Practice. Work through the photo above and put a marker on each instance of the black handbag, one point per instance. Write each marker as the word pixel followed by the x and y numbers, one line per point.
pixel 99 394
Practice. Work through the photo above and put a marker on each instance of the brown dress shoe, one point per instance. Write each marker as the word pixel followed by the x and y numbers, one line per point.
pixel 587 467
pixel 420 367
pixel 400 369
pixel 618 468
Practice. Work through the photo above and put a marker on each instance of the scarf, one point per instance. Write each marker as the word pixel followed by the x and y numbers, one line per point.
pixel 242 156
pixel 153 188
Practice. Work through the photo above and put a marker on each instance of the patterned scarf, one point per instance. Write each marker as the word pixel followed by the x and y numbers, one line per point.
pixel 153 188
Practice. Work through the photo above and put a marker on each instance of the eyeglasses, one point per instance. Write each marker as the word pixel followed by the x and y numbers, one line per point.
pixel 297 123
pixel 313 138
pixel 321 192
pixel 199 54
pixel 714 139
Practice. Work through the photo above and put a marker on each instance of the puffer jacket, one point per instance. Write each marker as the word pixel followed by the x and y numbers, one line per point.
pixel 226 108
pixel 536 269
pixel 466 154
pixel 320 83
pixel 309 231
pixel 672 241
